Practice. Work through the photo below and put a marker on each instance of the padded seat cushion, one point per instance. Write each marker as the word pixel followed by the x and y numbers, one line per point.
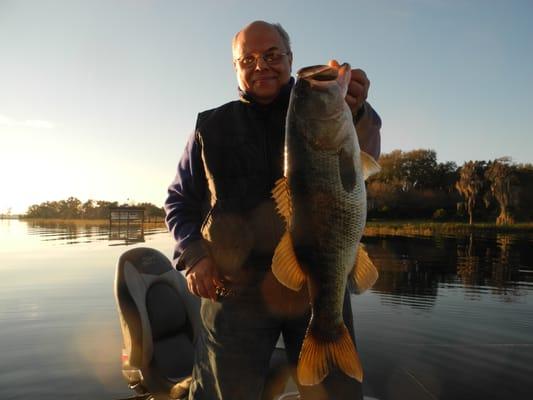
pixel 166 311
pixel 173 357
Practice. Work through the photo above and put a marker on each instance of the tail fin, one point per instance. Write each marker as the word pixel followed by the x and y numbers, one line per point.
pixel 317 357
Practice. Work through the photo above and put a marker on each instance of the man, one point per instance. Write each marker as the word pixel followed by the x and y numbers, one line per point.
pixel 220 211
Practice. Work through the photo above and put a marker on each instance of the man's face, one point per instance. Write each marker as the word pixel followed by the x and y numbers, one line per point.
pixel 261 80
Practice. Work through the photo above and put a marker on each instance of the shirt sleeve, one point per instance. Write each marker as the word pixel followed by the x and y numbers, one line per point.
pixel 183 207
pixel 368 125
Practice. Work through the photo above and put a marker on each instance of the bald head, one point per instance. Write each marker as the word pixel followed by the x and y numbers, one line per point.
pixel 257 27
pixel 264 76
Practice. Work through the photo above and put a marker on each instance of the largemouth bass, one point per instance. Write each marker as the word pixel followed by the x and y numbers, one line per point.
pixel 322 198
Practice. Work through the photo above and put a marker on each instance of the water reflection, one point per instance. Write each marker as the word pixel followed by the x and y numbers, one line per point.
pixel 126 233
pixel 77 232
pixel 450 314
pixel 415 268
pixel 492 262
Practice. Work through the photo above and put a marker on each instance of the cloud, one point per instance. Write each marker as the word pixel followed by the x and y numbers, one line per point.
pixel 29 123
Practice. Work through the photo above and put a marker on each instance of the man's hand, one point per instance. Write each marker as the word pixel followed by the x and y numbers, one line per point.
pixel 203 279
pixel 357 89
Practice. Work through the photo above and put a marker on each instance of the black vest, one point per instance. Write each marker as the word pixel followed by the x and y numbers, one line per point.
pixel 242 146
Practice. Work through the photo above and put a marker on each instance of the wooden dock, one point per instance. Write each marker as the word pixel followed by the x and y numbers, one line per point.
pixel 126 223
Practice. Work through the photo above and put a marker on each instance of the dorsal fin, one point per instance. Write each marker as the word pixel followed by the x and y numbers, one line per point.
pixel 282 197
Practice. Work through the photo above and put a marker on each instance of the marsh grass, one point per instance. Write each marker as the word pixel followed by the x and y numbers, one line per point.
pixel 91 222
pixel 429 228
pixel 373 227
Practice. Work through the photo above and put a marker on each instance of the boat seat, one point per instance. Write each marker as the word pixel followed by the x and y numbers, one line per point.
pixel 170 332
pixel 160 321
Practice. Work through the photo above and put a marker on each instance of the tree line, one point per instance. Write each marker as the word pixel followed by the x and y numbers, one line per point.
pixel 413 184
pixel 73 208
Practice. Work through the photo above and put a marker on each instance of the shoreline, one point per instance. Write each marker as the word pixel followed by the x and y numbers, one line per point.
pixel 430 228
pixel 85 221
pixel 373 227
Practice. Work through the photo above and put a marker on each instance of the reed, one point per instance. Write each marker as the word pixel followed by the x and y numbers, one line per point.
pixel 93 222
pixel 429 228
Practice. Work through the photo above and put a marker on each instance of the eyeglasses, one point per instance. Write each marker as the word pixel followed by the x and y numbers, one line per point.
pixel 270 57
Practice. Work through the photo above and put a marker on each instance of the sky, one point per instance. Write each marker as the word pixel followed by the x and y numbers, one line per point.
pixel 97 98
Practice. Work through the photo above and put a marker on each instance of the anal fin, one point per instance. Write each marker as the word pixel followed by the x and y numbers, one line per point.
pixel 364 273
pixel 285 266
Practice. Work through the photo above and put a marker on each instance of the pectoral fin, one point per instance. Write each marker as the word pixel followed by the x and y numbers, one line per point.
pixel 282 197
pixel 364 273
pixel 369 165
pixel 285 266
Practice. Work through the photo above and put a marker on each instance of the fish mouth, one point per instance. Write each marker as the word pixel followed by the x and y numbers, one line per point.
pixel 318 73
pixel 325 77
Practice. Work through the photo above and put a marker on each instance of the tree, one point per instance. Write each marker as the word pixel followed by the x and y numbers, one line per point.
pixel 415 169
pixel 103 208
pixel 390 168
pixel 471 185
pixel 445 176
pixel 150 210
pixel 524 174
pixel 412 184
pixel 501 177
pixel 418 168
pixel 89 209
pixel 70 208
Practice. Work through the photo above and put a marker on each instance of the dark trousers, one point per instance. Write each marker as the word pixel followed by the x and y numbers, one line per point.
pixel 239 334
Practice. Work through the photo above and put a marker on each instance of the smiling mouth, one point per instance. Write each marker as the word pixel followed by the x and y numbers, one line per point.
pixel 265 78
pixel 264 82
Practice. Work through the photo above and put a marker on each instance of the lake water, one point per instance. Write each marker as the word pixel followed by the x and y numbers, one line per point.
pixel 449 318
